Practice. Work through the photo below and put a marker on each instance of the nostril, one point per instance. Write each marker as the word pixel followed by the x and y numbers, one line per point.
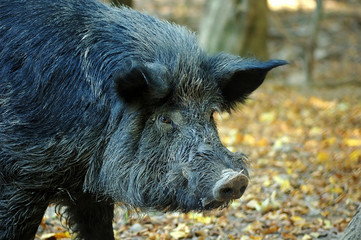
pixel 242 190
pixel 226 191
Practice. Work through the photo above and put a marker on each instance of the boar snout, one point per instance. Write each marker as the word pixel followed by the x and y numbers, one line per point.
pixel 231 186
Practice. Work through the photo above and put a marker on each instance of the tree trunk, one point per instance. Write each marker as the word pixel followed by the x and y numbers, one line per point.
pixel 256 30
pixel 353 230
pixel 312 44
pixel 238 26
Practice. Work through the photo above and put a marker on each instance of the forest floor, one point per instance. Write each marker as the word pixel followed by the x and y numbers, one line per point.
pixel 304 144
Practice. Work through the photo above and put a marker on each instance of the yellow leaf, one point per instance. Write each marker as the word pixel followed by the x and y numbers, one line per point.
pixel 55 235
pixel 269 204
pixel 320 103
pixel 205 220
pixel 178 234
pixel 322 157
pixel 325 213
pixel 240 215
pixel 328 224
pixel 278 179
pixel 289 171
pixel 253 204
pixel 315 234
pixel 352 142
pixel 265 206
pixel 249 140
pixel 231 237
pixel 235 204
pixel 337 190
pixel 182 231
pixel 256 237
pixel 306 237
pixel 63 235
pixel 315 131
pixel 355 155
pixel 297 218
pixel 263 142
pixel 245 238
pixel 267 183
pixel 267 117
pixel 306 188
pixel 285 184
pixel 330 141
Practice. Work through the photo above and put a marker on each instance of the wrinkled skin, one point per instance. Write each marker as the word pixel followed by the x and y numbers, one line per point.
pixel 101 105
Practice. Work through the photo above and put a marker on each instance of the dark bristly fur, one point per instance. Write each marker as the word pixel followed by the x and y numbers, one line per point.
pixel 101 105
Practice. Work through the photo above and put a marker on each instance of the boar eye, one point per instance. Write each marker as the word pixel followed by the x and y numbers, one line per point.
pixel 165 119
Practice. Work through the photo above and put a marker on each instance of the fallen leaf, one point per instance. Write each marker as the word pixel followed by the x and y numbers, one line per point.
pixel 285 184
pixel 249 140
pixel 271 229
pixel 267 117
pixel 288 236
pixel 322 157
pixel 55 235
pixel 182 231
pixel 355 155
pixel 352 142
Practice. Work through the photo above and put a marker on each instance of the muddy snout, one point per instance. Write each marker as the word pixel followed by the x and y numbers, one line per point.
pixel 231 186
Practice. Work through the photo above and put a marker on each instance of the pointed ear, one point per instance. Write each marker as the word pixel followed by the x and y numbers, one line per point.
pixel 242 81
pixel 137 83
pixel 238 78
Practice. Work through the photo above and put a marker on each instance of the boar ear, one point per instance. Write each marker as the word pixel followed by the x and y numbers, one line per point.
pixel 242 80
pixel 238 78
pixel 138 83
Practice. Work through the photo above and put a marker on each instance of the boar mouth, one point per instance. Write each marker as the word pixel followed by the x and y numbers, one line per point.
pixel 212 204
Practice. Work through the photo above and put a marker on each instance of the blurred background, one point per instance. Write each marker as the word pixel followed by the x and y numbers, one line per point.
pixel 301 129
pixel 322 39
